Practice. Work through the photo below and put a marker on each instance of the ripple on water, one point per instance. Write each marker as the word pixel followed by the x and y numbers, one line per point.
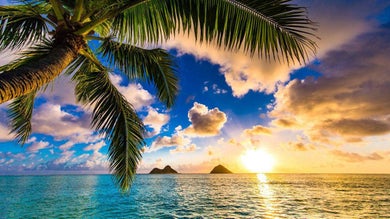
pixel 198 196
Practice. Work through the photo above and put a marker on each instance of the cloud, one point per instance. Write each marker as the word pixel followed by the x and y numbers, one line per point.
pixel 355 157
pixel 37 145
pixel 353 18
pixel 4 136
pixel 95 147
pixel 155 120
pixel 348 100
pixel 299 146
pixel 257 130
pixel 177 140
pixel 96 161
pixel 182 149
pixel 134 93
pixel 60 91
pixel 7 56
pixel 205 122
pixel 285 123
pixel 244 73
pixel 52 120
pixel 361 127
pixel 65 157
pixel 215 89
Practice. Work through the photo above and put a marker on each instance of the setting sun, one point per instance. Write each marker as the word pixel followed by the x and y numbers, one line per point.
pixel 258 161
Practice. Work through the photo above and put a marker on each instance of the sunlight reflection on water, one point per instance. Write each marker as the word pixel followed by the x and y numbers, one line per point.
pixel 198 196
pixel 266 193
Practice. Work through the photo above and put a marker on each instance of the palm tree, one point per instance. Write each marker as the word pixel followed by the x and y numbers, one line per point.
pixel 53 37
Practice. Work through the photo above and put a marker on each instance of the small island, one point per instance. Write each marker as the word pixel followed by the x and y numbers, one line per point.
pixel 220 169
pixel 167 170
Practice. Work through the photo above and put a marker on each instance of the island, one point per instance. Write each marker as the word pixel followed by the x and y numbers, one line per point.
pixel 167 170
pixel 220 169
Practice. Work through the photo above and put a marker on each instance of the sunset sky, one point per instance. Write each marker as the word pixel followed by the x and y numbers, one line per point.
pixel 331 115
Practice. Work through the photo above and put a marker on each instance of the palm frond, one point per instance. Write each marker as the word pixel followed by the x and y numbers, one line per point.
pixel 113 117
pixel 29 55
pixel 271 29
pixel 154 66
pixel 104 29
pixel 146 22
pixel 20 113
pixel 22 25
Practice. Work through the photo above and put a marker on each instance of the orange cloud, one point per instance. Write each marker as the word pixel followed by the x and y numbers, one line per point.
pixel 257 130
pixel 355 157
pixel 205 122
pixel 349 100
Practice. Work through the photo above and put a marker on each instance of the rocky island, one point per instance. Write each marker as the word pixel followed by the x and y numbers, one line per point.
pixel 220 169
pixel 167 170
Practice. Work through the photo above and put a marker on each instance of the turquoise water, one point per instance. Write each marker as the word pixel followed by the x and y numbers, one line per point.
pixel 197 196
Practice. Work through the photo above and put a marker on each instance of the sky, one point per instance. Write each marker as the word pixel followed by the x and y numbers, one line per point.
pixel 331 115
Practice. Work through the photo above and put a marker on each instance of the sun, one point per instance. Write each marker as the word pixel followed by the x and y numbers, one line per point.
pixel 258 161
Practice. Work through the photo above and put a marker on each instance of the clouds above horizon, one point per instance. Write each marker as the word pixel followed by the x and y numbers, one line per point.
pixel 355 157
pixel 204 123
pixel 348 100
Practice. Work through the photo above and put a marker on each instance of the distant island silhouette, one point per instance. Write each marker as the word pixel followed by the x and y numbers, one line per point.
pixel 167 170
pixel 220 169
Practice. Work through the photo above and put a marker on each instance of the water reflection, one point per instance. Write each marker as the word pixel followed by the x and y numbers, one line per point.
pixel 266 193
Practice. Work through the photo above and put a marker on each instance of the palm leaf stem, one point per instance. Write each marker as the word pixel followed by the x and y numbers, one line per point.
pixel 78 11
pixel 58 11
pixel 112 13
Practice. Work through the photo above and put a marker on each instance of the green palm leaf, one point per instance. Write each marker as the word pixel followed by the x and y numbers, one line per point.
pixel 266 28
pixel 29 55
pixel 113 117
pixel 146 22
pixel 155 66
pixel 269 29
pixel 20 113
pixel 272 29
pixel 22 25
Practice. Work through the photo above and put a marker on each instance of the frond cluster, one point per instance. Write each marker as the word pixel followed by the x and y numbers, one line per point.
pixel 94 36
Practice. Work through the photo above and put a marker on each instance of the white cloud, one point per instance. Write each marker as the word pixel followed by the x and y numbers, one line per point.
pixel 60 91
pixel 7 56
pixel 51 120
pixel 4 133
pixel 95 147
pixel 177 140
pixel 65 157
pixel 134 93
pixel 155 120
pixel 96 161
pixel 38 145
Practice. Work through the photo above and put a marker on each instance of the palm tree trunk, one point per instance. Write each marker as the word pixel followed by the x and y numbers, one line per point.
pixel 26 78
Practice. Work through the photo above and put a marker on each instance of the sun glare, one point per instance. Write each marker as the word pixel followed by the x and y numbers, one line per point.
pixel 258 161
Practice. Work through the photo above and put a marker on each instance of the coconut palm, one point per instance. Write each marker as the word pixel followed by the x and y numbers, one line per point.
pixel 54 37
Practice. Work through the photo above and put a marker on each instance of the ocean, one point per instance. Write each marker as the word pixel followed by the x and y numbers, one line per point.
pixel 197 196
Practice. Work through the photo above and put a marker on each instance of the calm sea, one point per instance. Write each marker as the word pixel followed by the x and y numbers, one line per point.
pixel 197 196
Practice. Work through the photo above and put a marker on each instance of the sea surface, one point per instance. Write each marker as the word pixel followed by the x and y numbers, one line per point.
pixel 197 196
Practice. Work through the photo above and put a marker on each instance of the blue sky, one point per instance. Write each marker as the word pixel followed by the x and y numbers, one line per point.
pixel 331 115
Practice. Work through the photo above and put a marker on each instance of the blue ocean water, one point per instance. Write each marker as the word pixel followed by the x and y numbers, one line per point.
pixel 197 196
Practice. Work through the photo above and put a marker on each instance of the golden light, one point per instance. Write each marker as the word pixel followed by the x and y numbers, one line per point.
pixel 258 161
